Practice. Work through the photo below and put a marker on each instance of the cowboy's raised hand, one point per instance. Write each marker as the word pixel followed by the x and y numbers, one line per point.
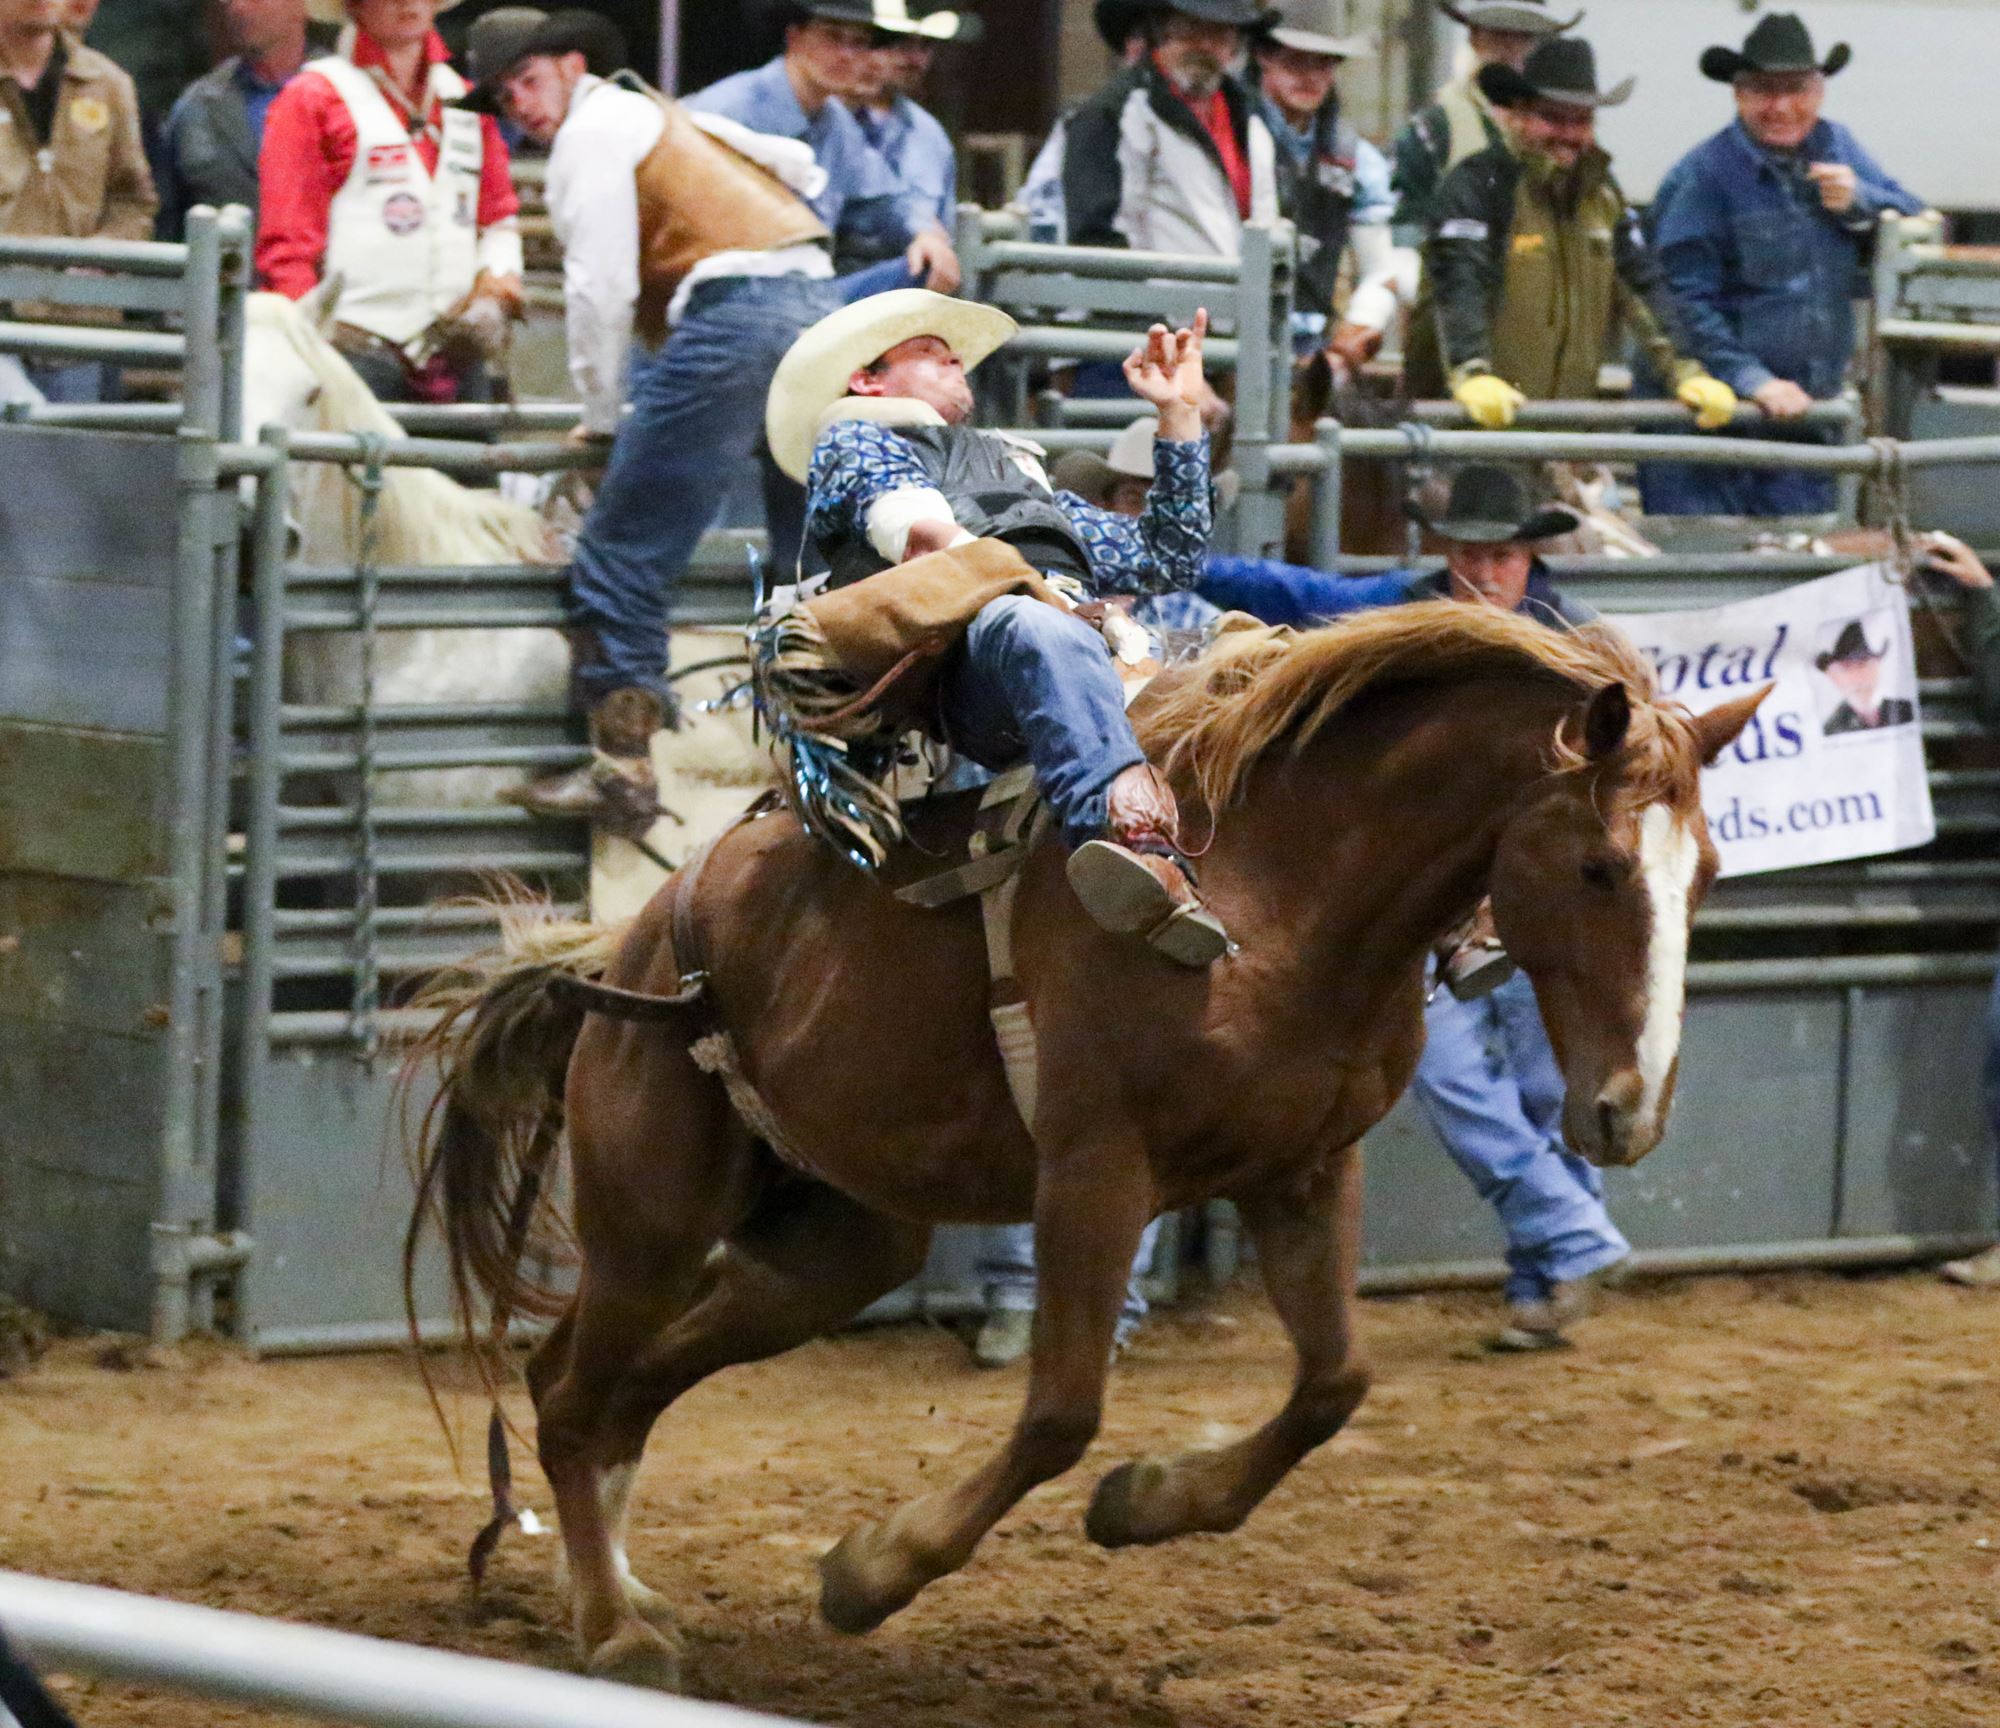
pixel 1165 371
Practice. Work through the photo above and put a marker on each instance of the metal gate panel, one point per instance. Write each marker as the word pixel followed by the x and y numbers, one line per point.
pixel 1919 1157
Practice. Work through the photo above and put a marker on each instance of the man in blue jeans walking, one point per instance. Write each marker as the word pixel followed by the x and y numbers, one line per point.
pixel 703 229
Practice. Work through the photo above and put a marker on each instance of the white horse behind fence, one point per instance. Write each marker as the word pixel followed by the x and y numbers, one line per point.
pixel 294 377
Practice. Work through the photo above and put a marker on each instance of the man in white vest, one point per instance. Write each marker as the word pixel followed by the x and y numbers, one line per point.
pixel 371 173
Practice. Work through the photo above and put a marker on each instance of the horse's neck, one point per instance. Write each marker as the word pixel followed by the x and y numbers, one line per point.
pixel 1377 838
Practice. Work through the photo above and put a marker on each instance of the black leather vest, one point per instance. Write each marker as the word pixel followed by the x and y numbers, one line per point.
pixel 991 498
pixel 1322 191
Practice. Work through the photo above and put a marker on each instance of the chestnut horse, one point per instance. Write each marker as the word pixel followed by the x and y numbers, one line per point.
pixel 1366 784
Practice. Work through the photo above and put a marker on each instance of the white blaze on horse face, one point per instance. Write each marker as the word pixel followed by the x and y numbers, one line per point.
pixel 1668 857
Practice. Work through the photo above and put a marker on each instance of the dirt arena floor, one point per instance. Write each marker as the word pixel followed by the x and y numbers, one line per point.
pixel 1737 1501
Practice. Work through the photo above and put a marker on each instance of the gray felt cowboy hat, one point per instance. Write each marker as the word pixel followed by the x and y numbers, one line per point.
pixel 1318 27
pixel 500 40
pixel 1560 69
pixel 1489 507
pixel 1780 43
pixel 1521 17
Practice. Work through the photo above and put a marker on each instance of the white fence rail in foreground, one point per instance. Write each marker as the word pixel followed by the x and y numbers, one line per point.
pixel 330 1676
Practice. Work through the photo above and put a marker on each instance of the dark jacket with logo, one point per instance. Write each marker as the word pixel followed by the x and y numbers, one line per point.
pixel 1317 190
pixel 1533 284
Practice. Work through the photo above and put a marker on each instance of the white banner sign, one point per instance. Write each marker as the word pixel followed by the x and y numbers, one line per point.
pixel 1832 765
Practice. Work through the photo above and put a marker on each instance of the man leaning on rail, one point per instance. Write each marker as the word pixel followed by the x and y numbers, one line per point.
pixel 692 257
pixel 1536 263
pixel 1764 231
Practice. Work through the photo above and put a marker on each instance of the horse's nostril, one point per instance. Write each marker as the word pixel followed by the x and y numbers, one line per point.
pixel 1610 1122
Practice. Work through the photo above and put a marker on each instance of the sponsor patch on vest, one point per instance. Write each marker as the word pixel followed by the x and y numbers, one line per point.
pixel 462 211
pixel 1524 243
pixel 385 162
pixel 1463 228
pixel 403 213
pixel 89 114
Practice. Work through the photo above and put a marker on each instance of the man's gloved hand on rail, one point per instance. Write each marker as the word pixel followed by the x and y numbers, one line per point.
pixel 1713 402
pixel 1490 402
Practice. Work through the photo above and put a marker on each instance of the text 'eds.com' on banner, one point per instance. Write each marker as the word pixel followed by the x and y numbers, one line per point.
pixel 1832 765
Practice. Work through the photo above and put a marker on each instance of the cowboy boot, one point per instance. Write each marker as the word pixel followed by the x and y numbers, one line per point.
pixel 1136 882
pixel 616 789
pixel 1471 961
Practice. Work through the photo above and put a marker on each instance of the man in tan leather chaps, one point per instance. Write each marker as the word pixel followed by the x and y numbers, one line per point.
pixel 693 254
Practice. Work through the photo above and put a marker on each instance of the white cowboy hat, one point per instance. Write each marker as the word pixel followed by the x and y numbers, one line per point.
pixel 896 16
pixel 813 375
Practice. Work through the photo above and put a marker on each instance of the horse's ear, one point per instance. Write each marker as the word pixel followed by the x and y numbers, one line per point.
pixel 1717 729
pixel 1606 720
pixel 1312 389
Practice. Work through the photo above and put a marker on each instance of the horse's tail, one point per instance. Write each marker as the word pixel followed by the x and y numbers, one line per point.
pixel 483 1152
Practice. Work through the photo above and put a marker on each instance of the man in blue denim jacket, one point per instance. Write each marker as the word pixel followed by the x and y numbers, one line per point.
pixel 1763 231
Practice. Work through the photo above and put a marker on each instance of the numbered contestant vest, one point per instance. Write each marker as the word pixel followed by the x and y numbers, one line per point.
pixel 404 241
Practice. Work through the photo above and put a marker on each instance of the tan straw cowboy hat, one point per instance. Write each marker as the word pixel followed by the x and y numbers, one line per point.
pixel 812 377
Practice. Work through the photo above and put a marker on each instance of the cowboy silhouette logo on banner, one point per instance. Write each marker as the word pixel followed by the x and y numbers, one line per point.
pixel 1832 765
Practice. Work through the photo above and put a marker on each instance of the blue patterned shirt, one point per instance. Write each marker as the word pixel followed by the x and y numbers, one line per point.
pixel 858 462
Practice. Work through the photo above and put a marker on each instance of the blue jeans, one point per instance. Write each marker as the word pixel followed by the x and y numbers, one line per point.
pixel 1028 678
pixel 1685 489
pixel 697 408
pixel 1007 1266
pixel 1490 1088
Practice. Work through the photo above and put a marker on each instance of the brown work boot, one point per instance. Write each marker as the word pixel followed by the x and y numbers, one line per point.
pixel 1471 961
pixel 615 790
pixel 1135 882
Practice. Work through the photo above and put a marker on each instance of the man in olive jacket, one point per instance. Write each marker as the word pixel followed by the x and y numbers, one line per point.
pixel 1535 261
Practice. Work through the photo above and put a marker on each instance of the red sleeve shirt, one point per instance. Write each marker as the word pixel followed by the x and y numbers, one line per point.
pixel 308 152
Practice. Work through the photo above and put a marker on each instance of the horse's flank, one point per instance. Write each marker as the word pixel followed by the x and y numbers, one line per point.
pixel 1256 690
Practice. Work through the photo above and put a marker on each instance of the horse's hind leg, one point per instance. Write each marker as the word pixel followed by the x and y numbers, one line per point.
pixel 1090 1206
pixel 663 1171
pixel 1308 1240
pixel 805 1261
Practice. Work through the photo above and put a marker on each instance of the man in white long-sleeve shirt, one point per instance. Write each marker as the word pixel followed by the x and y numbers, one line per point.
pixel 691 260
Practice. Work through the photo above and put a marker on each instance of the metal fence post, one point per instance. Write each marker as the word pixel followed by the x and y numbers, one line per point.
pixel 202 391
pixel 1326 496
pixel 1259 511
pixel 235 277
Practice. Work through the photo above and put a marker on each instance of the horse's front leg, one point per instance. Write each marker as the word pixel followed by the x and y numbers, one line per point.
pixel 1308 1241
pixel 1091 1203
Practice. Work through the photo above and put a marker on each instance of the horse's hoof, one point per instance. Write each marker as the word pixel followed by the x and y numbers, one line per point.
pixel 848 1601
pixel 653 1608
pixel 638 1656
pixel 1118 1510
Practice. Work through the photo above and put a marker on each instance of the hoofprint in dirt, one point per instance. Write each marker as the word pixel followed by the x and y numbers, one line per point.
pixel 1737 1502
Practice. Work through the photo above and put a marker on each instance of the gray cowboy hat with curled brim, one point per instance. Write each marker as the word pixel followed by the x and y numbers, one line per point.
pixel 1093 478
pixel 1520 17
pixel 1489 507
pixel 1317 27
pixel 1780 43
pixel 1562 69
pixel 1851 644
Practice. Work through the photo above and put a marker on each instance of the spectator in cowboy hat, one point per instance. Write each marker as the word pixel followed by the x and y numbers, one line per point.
pixel 1764 231
pixel 1333 183
pixel 803 94
pixel 1536 262
pixel 208 149
pixel 906 135
pixel 1460 121
pixel 1173 154
pixel 371 172
pixel 691 261
pixel 1122 24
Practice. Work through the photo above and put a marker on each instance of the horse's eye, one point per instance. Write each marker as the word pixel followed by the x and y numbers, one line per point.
pixel 1601 873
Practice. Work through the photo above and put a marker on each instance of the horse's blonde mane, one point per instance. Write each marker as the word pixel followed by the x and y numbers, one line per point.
pixel 1257 689
pixel 424 517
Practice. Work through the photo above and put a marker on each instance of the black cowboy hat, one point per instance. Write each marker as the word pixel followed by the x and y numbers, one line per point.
pixel 1558 69
pixel 1522 17
pixel 1780 43
pixel 1489 506
pixel 502 39
pixel 1850 644
pixel 1117 19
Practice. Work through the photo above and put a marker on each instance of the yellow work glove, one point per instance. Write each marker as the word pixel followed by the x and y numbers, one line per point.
pixel 1491 402
pixel 1713 402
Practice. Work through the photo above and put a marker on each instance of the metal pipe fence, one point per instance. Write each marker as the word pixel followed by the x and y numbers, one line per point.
pixel 310 1671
